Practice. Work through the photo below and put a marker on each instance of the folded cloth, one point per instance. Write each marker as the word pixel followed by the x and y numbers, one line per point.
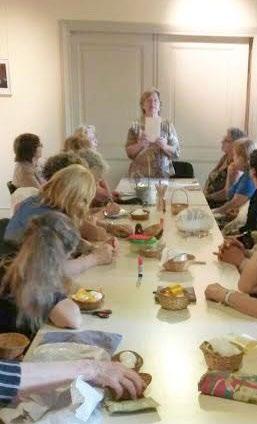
pixel 107 341
pixel 238 387
pixel 76 404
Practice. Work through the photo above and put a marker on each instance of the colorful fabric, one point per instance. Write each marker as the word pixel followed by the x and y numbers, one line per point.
pixel 242 388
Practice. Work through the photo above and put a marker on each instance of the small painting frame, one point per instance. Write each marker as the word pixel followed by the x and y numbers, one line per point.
pixel 5 81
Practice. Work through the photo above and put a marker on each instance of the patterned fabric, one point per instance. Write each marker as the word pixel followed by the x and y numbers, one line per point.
pixel 242 388
pixel 151 162
pixel 10 377
pixel 217 177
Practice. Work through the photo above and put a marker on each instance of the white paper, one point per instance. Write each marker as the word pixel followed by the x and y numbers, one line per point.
pixel 153 128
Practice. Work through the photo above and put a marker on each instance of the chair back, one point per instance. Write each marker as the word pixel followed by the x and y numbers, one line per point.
pixel 11 187
pixel 183 170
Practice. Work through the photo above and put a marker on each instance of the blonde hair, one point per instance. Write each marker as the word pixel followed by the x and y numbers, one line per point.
pixel 244 147
pixel 70 190
pixel 75 143
pixel 145 96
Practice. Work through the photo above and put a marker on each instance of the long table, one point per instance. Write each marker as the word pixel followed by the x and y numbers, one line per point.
pixel 169 341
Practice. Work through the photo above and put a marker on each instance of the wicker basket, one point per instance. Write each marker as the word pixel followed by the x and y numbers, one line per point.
pixel 139 359
pixel 217 362
pixel 173 303
pixel 178 266
pixel 90 306
pixel 178 207
pixel 140 217
pixel 12 345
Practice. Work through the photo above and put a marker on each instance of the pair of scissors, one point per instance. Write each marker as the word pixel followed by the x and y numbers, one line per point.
pixel 100 313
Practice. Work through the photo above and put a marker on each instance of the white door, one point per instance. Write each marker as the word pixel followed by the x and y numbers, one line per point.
pixel 109 73
pixel 204 89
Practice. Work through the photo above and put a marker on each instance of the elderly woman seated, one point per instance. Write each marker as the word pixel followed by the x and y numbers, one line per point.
pixel 215 186
pixel 28 150
pixel 241 190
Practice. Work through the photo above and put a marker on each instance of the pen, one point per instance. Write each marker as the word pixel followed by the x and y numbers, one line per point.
pixel 140 269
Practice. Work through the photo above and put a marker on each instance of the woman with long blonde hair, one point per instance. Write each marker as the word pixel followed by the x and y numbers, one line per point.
pixel 70 191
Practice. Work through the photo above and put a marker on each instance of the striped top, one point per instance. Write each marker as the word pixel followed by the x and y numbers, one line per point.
pixel 10 377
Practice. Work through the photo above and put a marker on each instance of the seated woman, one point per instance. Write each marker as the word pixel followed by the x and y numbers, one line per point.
pixel 32 290
pixel 28 150
pixel 23 378
pixel 84 143
pixel 215 186
pixel 243 189
pixel 151 159
pixel 70 191
pixel 91 231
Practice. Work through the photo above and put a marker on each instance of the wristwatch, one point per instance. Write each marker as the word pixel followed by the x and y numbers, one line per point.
pixel 227 296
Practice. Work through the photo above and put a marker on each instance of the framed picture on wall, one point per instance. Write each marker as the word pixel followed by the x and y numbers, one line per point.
pixel 5 83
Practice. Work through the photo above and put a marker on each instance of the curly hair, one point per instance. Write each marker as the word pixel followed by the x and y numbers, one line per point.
pixel 96 163
pixel 25 147
pixel 36 273
pixel 61 161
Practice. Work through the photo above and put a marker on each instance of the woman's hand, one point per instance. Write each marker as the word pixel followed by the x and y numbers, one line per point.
pixel 215 292
pixel 119 378
pixel 105 254
pixel 112 208
pixel 231 254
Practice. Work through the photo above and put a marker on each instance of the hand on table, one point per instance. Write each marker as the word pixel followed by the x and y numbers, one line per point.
pixel 112 208
pixel 119 378
pixel 107 252
pixel 120 230
pixel 215 292
pixel 232 252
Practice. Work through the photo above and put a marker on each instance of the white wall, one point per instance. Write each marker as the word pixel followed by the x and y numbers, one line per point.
pixel 29 38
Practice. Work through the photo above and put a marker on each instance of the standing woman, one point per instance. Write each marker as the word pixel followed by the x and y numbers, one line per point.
pixel 151 159
pixel 28 149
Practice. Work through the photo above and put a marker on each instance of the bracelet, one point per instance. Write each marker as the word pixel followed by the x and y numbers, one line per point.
pixel 227 296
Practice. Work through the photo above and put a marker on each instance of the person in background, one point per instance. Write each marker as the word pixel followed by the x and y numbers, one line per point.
pixel 151 159
pixel 28 150
pixel 22 378
pixel 243 188
pixel 215 186
pixel 84 137
pixel 70 191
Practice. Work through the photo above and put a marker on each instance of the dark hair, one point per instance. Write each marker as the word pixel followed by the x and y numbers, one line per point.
pixel 236 133
pixel 60 161
pixel 25 147
pixel 253 160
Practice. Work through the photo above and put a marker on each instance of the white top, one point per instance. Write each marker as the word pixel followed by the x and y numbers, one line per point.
pixel 169 341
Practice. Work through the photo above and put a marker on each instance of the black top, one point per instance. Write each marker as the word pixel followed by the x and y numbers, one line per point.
pixel 251 222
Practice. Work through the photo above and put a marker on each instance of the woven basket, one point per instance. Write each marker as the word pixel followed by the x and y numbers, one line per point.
pixel 173 303
pixel 139 217
pixel 12 345
pixel 90 306
pixel 217 362
pixel 178 207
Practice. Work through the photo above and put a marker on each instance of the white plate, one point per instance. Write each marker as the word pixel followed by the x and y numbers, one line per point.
pixel 120 214
pixel 68 351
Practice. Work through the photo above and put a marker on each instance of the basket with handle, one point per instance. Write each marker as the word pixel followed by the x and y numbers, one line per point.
pixel 215 361
pixel 177 207
pixel 173 303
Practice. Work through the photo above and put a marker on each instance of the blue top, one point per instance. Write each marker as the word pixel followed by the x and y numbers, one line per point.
pixel 28 209
pixel 244 186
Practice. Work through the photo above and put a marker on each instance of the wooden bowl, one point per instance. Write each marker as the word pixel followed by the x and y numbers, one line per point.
pixel 173 303
pixel 140 217
pixel 178 266
pixel 139 359
pixel 12 345
pixel 90 306
pixel 215 361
